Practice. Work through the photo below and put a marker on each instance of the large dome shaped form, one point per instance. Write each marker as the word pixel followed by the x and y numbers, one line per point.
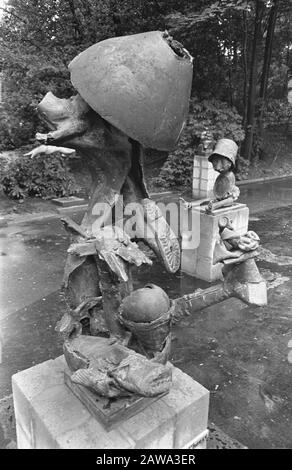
pixel 138 83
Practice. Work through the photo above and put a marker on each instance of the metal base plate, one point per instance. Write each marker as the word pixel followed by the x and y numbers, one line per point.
pixel 108 411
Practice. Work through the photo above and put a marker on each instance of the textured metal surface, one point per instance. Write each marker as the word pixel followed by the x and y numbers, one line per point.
pixel 145 304
pixel 111 413
pixel 137 83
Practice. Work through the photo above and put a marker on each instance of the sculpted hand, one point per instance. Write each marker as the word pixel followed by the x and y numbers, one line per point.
pixel 50 149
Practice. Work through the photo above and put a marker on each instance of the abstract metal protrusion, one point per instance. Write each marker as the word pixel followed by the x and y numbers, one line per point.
pixel 140 84
pixel 242 281
pixel 245 282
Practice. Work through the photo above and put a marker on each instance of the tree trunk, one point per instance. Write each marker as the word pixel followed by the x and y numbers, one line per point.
pixel 252 94
pixel 231 65
pixel 289 97
pixel 245 68
pixel 267 62
pixel 78 29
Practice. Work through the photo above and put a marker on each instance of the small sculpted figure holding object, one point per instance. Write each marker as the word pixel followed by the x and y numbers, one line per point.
pixel 223 160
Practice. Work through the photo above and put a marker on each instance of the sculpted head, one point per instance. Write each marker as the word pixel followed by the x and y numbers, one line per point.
pixel 224 155
pixel 221 164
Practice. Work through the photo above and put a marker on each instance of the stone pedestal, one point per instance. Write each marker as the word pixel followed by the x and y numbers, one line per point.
pixel 198 261
pixel 49 416
pixel 204 177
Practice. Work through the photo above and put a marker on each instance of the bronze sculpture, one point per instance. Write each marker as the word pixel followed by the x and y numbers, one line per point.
pixel 223 160
pixel 231 245
pixel 133 92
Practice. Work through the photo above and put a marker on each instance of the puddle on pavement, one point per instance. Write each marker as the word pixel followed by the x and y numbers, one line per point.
pixel 263 196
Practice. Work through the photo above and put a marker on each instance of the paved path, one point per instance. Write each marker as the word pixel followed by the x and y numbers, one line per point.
pixel 240 354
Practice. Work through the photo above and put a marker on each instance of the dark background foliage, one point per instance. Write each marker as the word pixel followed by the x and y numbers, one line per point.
pixel 241 49
pixel 38 177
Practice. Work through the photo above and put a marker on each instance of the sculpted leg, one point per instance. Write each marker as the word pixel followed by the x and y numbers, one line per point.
pixel 150 224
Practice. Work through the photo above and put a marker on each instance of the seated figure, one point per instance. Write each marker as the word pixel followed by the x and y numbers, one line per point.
pixel 223 160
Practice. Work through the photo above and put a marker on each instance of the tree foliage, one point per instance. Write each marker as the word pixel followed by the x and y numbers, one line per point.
pixel 219 119
pixel 39 177
pixel 39 38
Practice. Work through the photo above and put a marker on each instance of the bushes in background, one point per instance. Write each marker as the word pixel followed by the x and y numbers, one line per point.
pixel 41 176
pixel 214 115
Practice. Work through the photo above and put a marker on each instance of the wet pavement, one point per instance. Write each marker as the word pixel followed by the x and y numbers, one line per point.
pixel 239 353
pixel 264 196
pixel 32 258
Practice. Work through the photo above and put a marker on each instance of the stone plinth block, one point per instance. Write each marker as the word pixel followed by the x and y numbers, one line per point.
pixel 197 258
pixel 49 416
pixel 204 177
pixel 69 201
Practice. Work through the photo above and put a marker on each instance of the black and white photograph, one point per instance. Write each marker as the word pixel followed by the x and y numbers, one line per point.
pixel 145 229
